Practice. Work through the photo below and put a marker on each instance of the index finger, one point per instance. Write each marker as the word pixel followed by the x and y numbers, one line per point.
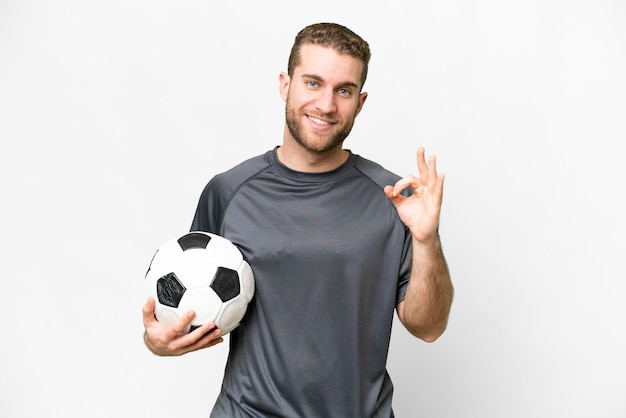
pixel 181 326
pixel 407 181
pixel 178 328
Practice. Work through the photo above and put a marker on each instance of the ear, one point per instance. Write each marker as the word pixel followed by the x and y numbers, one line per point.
pixel 362 98
pixel 283 83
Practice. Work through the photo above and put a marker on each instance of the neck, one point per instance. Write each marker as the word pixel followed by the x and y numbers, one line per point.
pixel 298 158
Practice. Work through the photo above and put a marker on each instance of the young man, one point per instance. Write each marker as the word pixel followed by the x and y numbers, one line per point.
pixel 336 242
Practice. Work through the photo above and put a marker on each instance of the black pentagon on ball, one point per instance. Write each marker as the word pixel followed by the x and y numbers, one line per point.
pixel 170 290
pixel 193 240
pixel 226 283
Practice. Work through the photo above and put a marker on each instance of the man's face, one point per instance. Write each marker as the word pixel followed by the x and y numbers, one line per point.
pixel 322 98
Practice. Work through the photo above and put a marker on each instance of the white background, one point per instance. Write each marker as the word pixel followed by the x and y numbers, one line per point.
pixel 114 115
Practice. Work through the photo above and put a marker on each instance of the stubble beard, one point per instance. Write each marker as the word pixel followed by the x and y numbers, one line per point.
pixel 296 129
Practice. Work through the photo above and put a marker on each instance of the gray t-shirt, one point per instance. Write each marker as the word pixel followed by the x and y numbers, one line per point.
pixel 331 260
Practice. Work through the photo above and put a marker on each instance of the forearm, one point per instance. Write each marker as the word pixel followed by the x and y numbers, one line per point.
pixel 426 307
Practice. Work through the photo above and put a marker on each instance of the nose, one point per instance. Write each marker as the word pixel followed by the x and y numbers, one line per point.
pixel 326 101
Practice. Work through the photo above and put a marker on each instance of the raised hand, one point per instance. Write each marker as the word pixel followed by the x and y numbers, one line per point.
pixel 420 212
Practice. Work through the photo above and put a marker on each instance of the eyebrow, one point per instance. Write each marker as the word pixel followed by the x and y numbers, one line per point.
pixel 318 78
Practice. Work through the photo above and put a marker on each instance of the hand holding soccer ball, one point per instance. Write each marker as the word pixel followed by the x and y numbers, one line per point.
pixel 195 283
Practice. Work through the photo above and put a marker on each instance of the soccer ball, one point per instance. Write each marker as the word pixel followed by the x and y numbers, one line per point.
pixel 204 272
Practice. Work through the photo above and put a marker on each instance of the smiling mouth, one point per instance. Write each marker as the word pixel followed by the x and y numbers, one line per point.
pixel 319 121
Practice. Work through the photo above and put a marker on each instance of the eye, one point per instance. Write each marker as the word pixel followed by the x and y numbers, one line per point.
pixel 312 84
pixel 344 92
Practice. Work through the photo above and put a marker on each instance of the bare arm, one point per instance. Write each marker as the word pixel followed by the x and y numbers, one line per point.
pixel 426 307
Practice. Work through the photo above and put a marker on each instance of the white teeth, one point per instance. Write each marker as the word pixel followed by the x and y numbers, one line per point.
pixel 319 121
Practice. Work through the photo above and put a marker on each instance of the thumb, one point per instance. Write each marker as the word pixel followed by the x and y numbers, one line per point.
pixel 396 200
pixel 148 311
